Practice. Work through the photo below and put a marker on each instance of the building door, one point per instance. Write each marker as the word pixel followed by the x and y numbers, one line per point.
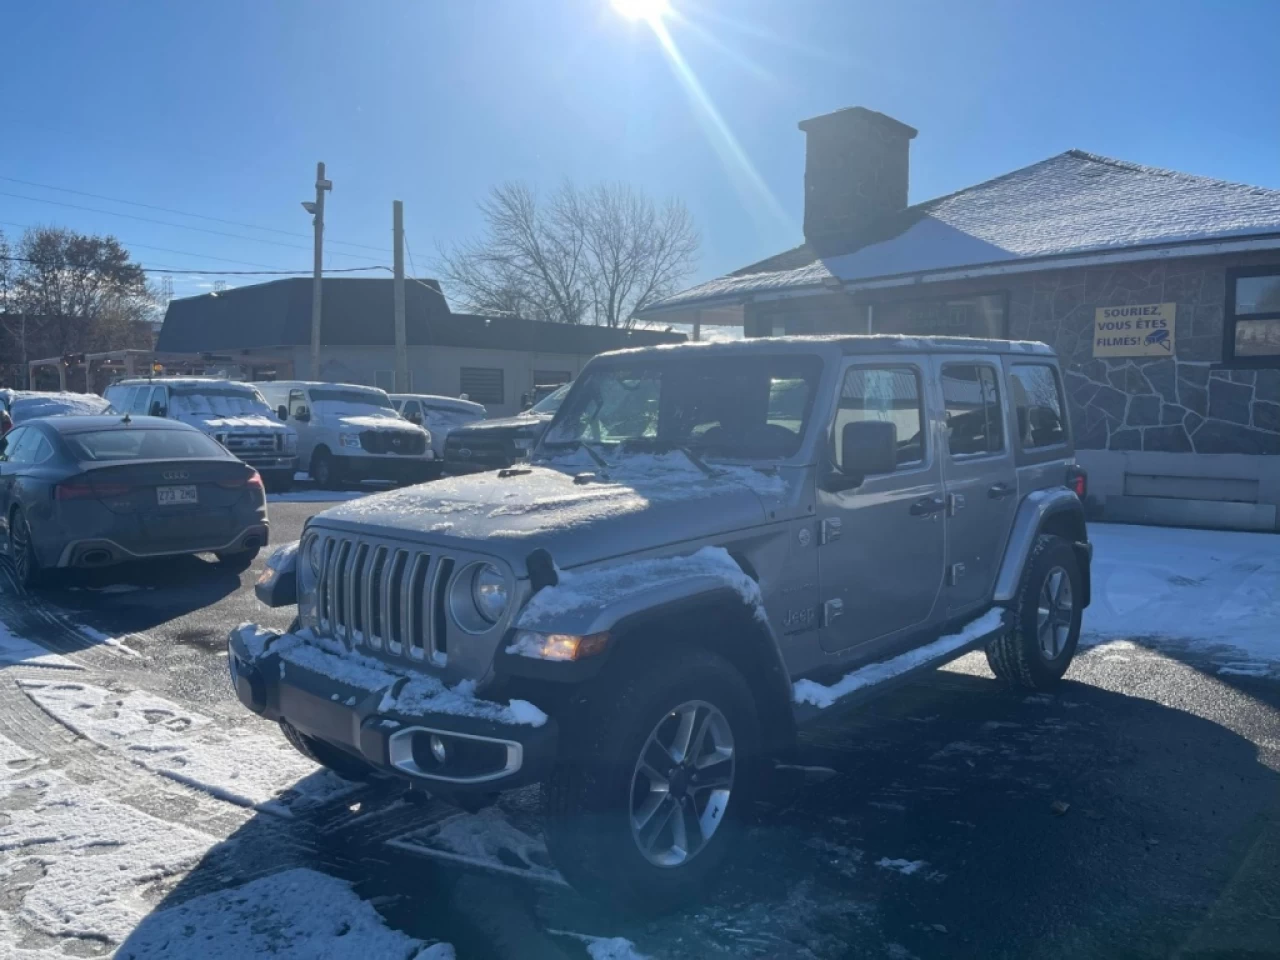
pixel 882 545
pixel 979 479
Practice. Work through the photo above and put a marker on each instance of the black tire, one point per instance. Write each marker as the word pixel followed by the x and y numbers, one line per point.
pixel 238 562
pixel 22 549
pixel 587 800
pixel 323 470
pixel 328 756
pixel 1018 655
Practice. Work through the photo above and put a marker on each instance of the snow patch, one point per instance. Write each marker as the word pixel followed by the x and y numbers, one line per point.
pixel 13 759
pixel 293 915
pixel 486 839
pixel 240 766
pixel 905 867
pixel 809 691
pixel 31 405
pixel 581 592
pixel 604 948
pixel 15 650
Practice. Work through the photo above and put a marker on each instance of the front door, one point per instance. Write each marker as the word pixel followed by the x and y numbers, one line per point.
pixel 881 551
pixel 980 483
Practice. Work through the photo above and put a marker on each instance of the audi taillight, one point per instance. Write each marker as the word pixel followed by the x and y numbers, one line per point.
pixel 73 491
pixel 252 479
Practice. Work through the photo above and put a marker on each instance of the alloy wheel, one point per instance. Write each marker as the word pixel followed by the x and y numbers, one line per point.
pixel 682 782
pixel 20 547
pixel 1054 614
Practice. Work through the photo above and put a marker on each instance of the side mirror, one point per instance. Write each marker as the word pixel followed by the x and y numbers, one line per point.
pixel 415 418
pixel 868 447
pixel 302 415
pixel 282 412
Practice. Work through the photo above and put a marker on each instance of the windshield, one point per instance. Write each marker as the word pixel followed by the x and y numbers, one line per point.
pixel 551 402
pixel 217 400
pixel 352 401
pixel 750 408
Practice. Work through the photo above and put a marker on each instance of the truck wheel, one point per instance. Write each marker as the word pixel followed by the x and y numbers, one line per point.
pixel 650 792
pixel 328 756
pixel 1037 650
pixel 322 469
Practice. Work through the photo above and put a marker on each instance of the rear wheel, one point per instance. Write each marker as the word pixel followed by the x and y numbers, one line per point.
pixel 1038 649
pixel 648 798
pixel 339 761
pixel 323 470
pixel 237 562
pixel 26 565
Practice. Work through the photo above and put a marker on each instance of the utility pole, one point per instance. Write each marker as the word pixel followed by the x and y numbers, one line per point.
pixel 316 210
pixel 402 347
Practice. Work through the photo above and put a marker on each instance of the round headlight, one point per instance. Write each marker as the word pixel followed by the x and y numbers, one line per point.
pixel 489 591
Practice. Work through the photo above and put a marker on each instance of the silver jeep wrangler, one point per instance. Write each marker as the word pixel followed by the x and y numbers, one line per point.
pixel 711 545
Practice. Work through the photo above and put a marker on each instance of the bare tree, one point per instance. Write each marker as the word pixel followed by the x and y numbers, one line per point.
pixel 583 256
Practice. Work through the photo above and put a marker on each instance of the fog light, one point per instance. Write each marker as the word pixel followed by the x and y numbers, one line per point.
pixel 438 750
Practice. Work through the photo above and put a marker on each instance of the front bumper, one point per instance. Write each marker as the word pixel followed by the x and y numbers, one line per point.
pixel 385 467
pixel 272 464
pixel 360 714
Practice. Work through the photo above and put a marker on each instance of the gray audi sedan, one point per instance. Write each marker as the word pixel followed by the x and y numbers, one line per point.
pixel 81 491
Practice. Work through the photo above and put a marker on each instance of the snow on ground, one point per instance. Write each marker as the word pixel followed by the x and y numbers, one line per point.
pixel 292 915
pixel 13 759
pixel 807 691
pixel 1212 589
pixel 15 650
pixel 486 839
pixel 241 766
pixel 604 948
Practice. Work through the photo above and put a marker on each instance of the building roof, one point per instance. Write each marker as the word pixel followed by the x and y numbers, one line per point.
pixel 359 312
pixel 1072 204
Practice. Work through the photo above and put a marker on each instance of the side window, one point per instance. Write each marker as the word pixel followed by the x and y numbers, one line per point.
pixel 138 402
pixel 297 401
pixel 971 396
pixel 1037 401
pixel 40 450
pixel 884 393
pixel 13 444
pixel 159 404
pixel 411 408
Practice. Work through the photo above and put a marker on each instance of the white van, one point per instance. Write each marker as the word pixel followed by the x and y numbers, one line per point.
pixel 348 433
pixel 233 413
pixel 438 414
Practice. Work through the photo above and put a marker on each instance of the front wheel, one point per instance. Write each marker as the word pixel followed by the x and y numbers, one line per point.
pixel 1037 650
pixel 646 802
pixel 323 470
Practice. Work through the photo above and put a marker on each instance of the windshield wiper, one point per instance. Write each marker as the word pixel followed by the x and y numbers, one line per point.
pixel 661 446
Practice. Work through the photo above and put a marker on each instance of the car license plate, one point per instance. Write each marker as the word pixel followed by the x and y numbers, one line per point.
pixel 171 496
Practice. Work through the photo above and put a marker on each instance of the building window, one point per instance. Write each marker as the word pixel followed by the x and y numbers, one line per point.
pixel 1037 401
pixel 972 399
pixel 482 384
pixel 1252 328
pixel 979 316
pixel 551 378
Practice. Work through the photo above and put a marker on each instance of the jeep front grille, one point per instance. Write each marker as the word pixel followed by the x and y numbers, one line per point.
pixel 386 598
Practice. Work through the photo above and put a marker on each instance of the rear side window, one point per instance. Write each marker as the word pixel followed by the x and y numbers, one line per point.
pixel 1037 402
pixel 142 444
pixel 19 444
pixel 971 395
pixel 884 393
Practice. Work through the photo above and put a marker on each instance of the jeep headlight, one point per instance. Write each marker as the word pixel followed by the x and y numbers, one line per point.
pixel 479 597
pixel 349 440
pixel 310 569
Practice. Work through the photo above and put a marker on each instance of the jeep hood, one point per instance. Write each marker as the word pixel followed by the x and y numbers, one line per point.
pixel 574 511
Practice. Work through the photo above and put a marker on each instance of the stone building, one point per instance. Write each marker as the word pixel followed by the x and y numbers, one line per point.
pixel 1159 290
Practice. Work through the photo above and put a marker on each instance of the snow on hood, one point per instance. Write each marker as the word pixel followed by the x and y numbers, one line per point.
pixel 31 406
pixel 376 422
pixel 646 500
pixel 232 423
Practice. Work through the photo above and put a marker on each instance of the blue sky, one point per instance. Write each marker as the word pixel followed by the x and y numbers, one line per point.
pixel 223 108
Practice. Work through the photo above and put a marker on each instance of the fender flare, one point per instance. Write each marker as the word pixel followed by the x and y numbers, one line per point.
pixel 1058 510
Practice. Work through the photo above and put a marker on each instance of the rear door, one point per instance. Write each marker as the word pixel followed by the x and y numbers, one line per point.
pixel 979 477
pixel 882 545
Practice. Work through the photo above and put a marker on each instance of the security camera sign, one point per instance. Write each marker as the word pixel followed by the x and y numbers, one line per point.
pixel 1146 330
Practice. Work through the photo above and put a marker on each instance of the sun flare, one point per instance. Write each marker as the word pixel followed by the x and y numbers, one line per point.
pixel 649 10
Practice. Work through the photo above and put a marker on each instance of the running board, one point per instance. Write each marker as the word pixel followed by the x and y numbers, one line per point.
pixel 812 701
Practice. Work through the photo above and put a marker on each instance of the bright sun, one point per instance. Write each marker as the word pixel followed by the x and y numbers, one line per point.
pixel 650 10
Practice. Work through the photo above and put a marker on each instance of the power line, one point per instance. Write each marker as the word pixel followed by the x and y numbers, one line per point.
pixel 184 213
pixel 180 226
pixel 219 273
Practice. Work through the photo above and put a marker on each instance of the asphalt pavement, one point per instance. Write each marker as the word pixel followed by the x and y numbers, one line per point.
pixel 1134 812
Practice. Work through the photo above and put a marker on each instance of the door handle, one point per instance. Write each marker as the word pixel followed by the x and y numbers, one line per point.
pixel 998 491
pixel 927 506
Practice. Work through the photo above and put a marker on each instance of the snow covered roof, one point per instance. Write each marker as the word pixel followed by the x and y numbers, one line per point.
pixel 1072 204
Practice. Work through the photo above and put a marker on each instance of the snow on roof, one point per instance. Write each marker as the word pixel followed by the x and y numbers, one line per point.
pixel 29 405
pixel 1073 203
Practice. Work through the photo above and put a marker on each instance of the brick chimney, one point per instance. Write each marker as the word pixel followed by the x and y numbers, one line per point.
pixel 856 169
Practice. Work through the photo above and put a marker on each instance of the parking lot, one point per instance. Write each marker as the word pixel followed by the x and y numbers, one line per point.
pixel 1134 812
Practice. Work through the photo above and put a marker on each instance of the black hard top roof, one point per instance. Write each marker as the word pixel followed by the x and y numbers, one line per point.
pixel 849 344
